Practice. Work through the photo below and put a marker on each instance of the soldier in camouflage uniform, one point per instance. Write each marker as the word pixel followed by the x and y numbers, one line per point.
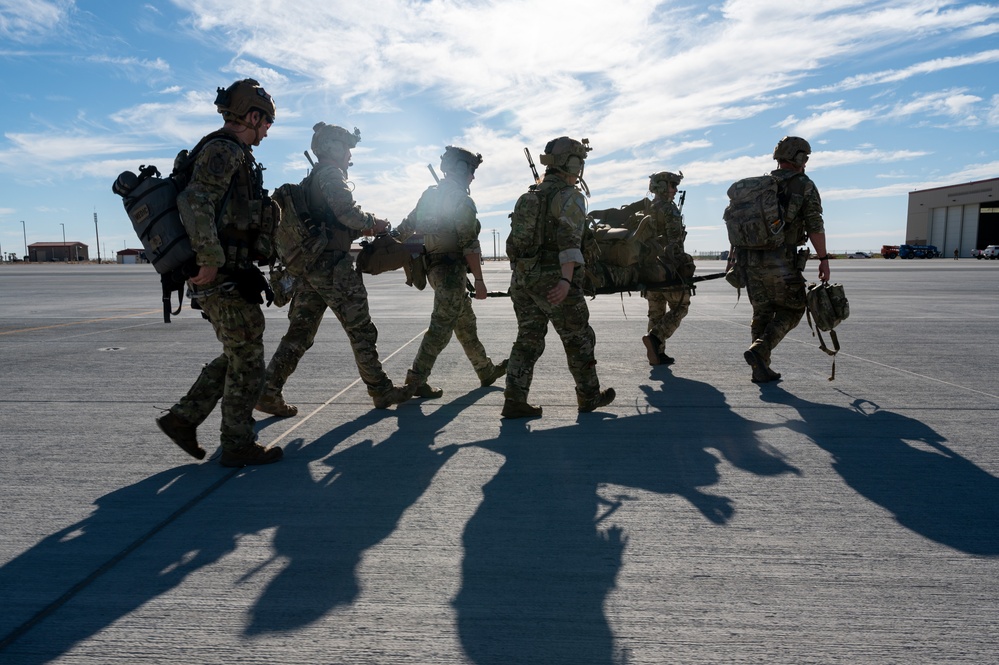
pixel 446 216
pixel 774 280
pixel 666 307
pixel 544 248
pixel 228 217
pixel 332 282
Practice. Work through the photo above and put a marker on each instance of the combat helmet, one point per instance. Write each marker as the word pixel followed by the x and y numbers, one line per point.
pixel 242 97
pixel 458 161
pixel 659 181
pixel 566 155
pixel 792 149
pixel 333 141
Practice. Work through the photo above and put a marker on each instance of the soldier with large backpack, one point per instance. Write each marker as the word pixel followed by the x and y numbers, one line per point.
pixel 544 247
pixel 768 219
pixel 229 219
pixel 447 218
pixel 330 280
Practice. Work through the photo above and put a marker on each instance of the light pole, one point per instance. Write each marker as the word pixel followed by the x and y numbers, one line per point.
pixel 64 240
pixel 25 230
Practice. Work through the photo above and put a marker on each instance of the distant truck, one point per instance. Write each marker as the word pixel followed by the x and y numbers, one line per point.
pixel 990 252
pixel 889 251
pixel 918 252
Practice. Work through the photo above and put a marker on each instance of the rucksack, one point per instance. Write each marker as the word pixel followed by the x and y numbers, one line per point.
pixel 151 204
pixel 527 219
pixel 754 216
pixel 298 239
pixel 826 306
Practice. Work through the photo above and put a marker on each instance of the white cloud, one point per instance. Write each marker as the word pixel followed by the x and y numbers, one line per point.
pixel 28 20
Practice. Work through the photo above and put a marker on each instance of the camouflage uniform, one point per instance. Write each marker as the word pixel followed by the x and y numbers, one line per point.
pixel 667 307
pixel 537 273
pixel 235 376
pixel 774 283
pixel 331 282
pixel 446 215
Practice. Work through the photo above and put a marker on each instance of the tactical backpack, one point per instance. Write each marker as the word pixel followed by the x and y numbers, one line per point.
pixel 826 307
pixel 754 216
pixel 529 214
pixel 151 204
pixel 298 239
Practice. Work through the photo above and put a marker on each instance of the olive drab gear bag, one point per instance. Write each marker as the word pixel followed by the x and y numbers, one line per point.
pixel 754 216
pixel 151 204
pixel 299 239
pixel 385 252
pixel 826 307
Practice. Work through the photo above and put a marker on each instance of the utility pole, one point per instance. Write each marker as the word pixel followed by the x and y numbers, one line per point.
pixel 98 232
pixel 64 240
pixel 25 230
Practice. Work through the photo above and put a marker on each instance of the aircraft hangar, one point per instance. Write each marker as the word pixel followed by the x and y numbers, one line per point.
pixel 962 217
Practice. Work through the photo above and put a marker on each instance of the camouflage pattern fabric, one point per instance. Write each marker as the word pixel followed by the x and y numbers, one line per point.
pixel 776 290
pixel 236 376
pixel 452 313
pixel 332 283
pixel 447 217
pixel 667 308
pixel 571 320
pixel 533 277
pixel 329 198
pixel 666 311
pixel 774 283
pixel 220 163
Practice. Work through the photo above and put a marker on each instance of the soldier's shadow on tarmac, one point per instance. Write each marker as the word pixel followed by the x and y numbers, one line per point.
pixel 540 559
pixel 322 527
pixel 904 466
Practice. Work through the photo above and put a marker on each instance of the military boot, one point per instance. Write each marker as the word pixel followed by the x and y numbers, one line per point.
pixel 761 371
pixel 385 398
pixel 276 406
pixel 489 375
pixel 251 455
pixel 419 388
pixel 514 409
pixel 652 352
pixel 603 398
pixel 181 433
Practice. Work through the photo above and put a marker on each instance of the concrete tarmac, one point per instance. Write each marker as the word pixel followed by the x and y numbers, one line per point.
pixel 700 518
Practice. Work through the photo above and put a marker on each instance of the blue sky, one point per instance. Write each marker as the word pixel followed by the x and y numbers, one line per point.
pixel 893 96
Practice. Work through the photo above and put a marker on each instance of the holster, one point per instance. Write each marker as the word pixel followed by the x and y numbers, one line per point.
pixel 801 259
pixel 251 283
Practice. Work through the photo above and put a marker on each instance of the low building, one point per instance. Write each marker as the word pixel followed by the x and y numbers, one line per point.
pixel 132 256
pixel 40 252
pixel 957 217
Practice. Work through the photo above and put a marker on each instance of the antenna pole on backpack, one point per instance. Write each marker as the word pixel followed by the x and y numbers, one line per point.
pixel 534 169
pixel 309 157
pixel 433 173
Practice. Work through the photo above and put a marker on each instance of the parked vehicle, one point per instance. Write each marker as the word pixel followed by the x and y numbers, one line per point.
pixel 858 255
pixel 918 251
pixel 991 252
pixel 978 253
pixel 889 251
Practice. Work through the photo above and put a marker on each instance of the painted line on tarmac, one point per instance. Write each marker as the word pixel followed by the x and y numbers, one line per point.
pixel 332 399
pixel 77 323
